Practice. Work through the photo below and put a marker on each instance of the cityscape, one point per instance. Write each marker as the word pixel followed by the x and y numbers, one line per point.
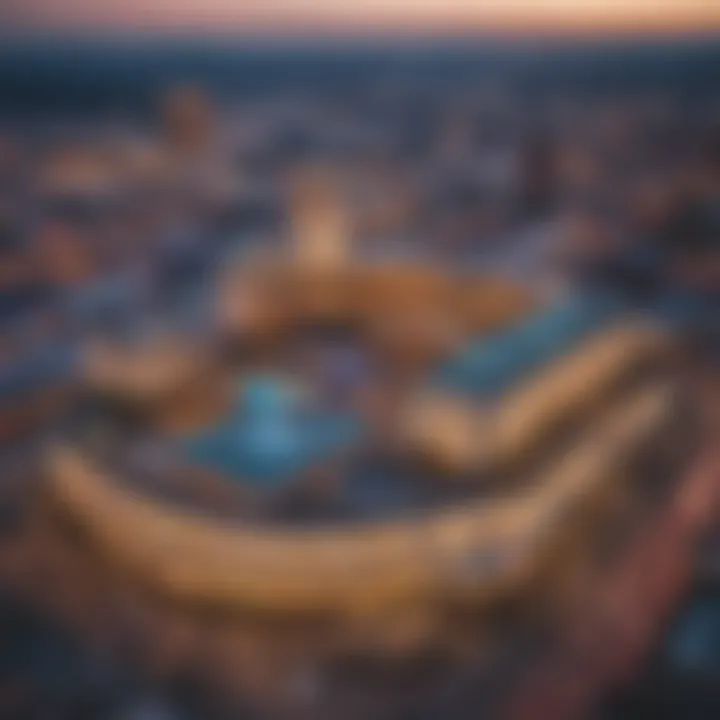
pixel 348 377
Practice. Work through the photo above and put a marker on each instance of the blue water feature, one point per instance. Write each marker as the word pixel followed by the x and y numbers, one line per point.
pixel 490 365
pixel 271 436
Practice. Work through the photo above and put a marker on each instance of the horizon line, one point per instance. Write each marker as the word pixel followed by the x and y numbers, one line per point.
pixel 333 35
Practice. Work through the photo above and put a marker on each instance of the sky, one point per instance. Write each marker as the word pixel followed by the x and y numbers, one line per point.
pixel 291 17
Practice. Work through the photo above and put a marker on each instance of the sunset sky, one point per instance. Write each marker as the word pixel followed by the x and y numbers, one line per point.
pixel 363 16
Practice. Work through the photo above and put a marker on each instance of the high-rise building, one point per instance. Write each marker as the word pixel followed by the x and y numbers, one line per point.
pixel 320 227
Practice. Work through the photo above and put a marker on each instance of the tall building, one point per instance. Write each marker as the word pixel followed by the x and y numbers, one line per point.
pixel 320 227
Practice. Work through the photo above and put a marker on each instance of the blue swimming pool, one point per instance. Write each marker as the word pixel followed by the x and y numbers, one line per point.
pixel 270 436
pixel 489 366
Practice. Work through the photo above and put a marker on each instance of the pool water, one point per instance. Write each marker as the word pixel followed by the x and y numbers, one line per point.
pixel 487 367
pixel 272 436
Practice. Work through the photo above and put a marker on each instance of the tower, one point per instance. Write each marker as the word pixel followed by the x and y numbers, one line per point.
pixel 319 223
